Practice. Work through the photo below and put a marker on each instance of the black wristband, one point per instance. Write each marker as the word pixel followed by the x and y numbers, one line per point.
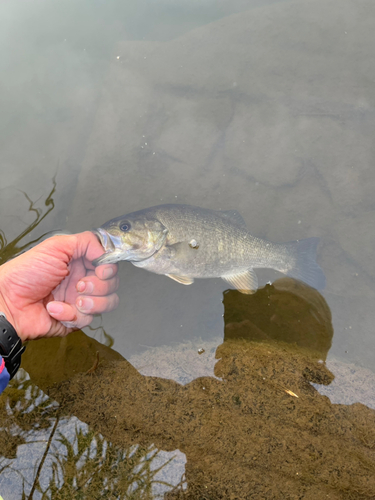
pixel 11 346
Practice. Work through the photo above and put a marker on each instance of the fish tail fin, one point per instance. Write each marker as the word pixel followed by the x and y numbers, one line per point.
pixel 305 266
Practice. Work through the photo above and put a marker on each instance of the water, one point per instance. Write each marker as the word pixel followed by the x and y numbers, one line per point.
pixel 259 106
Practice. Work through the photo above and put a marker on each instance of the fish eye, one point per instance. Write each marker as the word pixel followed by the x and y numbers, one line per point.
pixel 125 226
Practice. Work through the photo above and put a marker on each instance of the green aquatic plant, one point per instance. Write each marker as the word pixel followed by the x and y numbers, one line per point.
pixel 12 248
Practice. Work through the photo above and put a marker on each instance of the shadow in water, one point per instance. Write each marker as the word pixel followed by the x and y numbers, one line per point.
pixel 259 430
pixel 287 311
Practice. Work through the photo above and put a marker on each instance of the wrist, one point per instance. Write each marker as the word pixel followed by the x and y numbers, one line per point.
pixel 6 311
pixel 11 347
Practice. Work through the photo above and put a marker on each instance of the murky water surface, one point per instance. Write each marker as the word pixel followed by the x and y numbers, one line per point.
pixel 195 392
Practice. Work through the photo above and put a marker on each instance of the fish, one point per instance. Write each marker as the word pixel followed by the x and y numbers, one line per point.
pixel 185 242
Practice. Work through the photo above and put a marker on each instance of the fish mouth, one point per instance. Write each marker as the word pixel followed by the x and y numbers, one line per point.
pixel 104 239
pixel 115 249
pixel 111 245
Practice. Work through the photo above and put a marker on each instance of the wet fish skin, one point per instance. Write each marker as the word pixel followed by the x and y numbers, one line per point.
pixel 185 242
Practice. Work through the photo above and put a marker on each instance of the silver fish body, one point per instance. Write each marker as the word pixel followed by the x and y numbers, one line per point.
pixel 185 242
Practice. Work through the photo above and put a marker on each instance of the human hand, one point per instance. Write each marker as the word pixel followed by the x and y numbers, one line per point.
pixel 53 289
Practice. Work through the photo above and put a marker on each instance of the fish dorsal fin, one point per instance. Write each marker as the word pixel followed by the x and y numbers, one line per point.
pixel 246 282
pixel 184 280
pixel 234 216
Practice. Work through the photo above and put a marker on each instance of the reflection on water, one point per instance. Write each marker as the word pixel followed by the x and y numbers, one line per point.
pixel 13 248
pixel 68 458
pixel 258 427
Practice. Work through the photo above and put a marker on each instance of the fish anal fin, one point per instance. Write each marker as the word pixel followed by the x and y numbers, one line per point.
pixel 184 280
pixel 245 282
pixel 233 216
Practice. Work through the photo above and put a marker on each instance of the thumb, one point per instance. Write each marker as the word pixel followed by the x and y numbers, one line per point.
pixel 68 315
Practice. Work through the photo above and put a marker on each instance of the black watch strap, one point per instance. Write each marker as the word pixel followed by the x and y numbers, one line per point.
pixel 11 346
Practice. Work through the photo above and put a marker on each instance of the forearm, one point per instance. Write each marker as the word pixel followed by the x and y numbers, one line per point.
pixel 4 307
pixel 8 307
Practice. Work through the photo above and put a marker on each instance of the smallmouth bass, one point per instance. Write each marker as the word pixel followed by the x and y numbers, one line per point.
pixel 185 242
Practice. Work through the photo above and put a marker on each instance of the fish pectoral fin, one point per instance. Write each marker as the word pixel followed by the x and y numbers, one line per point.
pixel 184 280
pixel 246 282
pixel 233 216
